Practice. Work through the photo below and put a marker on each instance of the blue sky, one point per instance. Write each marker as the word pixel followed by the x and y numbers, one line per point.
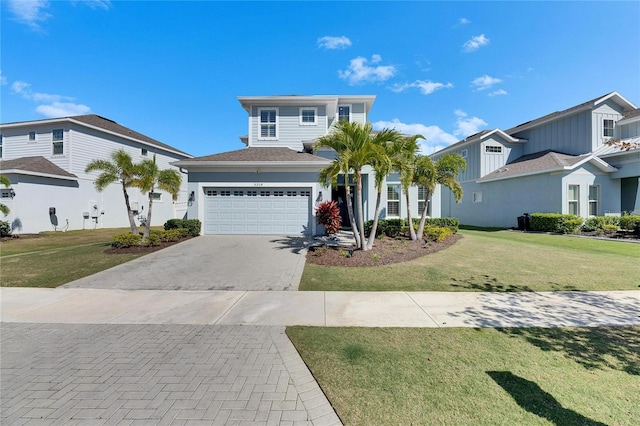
pixel 173 70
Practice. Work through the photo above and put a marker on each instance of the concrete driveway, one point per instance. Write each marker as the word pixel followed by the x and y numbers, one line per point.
pixel 220 262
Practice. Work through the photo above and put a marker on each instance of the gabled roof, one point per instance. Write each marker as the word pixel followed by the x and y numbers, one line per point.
pixel 478 137
pixel 103 124
pixel 35 166
pixel 590 104
pixel 630 117
pixel 274 156
pixel 544 162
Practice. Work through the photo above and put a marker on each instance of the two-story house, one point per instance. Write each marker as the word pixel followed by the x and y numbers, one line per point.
pixel 271 186
pixel 45 160
pixel 557 163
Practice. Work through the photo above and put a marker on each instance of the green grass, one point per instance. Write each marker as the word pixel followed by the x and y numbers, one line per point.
pixel 57 258
pixel 532 376
pixel 496 261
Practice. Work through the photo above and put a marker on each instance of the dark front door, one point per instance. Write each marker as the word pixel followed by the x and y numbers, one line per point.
pixel 339 195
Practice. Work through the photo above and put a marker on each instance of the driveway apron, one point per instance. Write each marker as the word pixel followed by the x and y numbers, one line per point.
pixel 220 262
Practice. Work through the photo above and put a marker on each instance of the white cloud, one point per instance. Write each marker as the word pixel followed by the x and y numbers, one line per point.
pixel 331 43
pixel 498 92
pixel 485 82
pixel 97 4
pixel 31 13
pixel 426 87
pixel 360 72
pixel 463 21
pixel 475 43
pixel 62 109
pixel 466 125
pixel 434 137
pixel 51 105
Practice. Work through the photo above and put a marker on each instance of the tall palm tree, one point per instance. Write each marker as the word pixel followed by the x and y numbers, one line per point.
pixel 356 146
pixel 120 169
pixel 6 182
pixel 149 178
pixel 405 165
pixel 443 172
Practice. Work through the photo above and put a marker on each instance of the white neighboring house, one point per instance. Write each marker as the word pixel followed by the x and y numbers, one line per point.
pixel 45 160
pixel 558 163
pixel 271 186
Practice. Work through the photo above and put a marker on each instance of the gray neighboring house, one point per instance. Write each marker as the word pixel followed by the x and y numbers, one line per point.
pixel 45 160
pixel 558 163
pixel 271 186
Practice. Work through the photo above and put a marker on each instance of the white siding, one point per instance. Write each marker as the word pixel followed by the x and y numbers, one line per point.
pixel 290 132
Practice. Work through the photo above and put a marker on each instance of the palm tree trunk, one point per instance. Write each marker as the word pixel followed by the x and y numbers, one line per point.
pixel 412 232
pixel 374 227
pixel 132 222
pixel 148 224
pixel 360 208
pixel 423 217
pixel 352 219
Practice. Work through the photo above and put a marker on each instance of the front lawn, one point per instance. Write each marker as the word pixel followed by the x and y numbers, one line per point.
pixel 495 261
pixel 56 258
pixel 562 376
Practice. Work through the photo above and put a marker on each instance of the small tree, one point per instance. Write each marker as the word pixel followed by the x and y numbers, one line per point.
pixel 6 182
pixel 328 215
pixel 148 178
pixel 119 169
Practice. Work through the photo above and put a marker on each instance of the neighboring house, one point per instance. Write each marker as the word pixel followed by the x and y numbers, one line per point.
pixel 271 186
pixel 558 163
pixel 45 161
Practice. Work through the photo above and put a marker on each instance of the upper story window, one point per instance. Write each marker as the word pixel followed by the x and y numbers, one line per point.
pixel 58 141
pixel 268 123
pixel 32 136
pixel 607 128
pixel 493 149
pixel 144 152
pixel 308 116
pixel 0 146
pixel 344 112
pixel 464 153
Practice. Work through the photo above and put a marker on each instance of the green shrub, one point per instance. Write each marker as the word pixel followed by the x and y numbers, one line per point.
pixel 598 223
pixel 328 215
pixel 555 222
pixel 437 233
pixel 444 222
pixel 193 225
pixel 126 240
pixel 392 227
pixel 5 229
pixel 610 229
pixel 154 238
pixel 630 223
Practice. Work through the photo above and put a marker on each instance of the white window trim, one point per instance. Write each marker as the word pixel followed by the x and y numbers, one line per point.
pixel 35 137
pixel 394 201
pixel 569 201
pixel 350 111
pixel 492 146
pixel 260 137
pixel 604 127
pixel 477 197
pixel 464 153
pixel 315 116
pixel 159 199
pixel 57 141
pixel 596 201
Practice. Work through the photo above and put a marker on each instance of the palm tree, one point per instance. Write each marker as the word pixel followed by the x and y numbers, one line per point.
pixel 149 177
pixel 443 172
pixel 356 146
pixel 6 182
pixel 405 165
pixel 119 169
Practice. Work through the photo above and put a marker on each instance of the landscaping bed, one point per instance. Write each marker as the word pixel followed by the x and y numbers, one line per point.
pixel 140 249
pixel 385 251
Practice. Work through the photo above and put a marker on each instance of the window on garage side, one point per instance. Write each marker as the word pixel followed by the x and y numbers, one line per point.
pixel 573 199
pixel 268 123
pixel 393 200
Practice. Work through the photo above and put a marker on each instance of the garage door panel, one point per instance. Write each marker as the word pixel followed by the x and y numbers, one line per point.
pixel 283 211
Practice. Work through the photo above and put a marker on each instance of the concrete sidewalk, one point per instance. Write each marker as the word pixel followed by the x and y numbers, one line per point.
pixel 332 309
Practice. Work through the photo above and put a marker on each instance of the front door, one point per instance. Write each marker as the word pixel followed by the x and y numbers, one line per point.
pixel 338 194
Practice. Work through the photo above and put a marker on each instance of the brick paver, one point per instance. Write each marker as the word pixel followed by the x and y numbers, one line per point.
pixel 155 374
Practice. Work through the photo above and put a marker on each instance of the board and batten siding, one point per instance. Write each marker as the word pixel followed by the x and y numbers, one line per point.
pixel 290 133
pixel 629 130
pixel 608 111
pixel 570 135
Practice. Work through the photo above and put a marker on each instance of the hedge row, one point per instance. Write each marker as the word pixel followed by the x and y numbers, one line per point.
pixel 572 224
pixel 394 227
pixel 193 225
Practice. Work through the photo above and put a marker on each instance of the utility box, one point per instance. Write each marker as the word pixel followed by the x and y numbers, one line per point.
pixel 93 209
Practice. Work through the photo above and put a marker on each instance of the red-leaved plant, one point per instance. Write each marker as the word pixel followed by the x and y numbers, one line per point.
pixel 328 215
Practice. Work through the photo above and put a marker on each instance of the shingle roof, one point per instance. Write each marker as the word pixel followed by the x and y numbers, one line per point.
pixel 39 165
pixel 537 162
pixel 261 154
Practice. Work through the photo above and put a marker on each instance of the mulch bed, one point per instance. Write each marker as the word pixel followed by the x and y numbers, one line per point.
pixel 385 251
pixel 142 249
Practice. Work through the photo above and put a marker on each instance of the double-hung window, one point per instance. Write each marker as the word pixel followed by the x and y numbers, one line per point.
pixel 268 123
pixel 573 199
pixel 32 136
pixel 393 200
pixel 422 199
pixel 607 128
pixel 344 112
pixel 594 200
pixel 58 141
pixel 308 116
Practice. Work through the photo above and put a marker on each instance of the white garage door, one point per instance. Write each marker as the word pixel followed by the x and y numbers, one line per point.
pixel 271 211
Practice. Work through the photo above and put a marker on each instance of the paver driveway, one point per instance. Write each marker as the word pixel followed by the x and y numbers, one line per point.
pixel 220 262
